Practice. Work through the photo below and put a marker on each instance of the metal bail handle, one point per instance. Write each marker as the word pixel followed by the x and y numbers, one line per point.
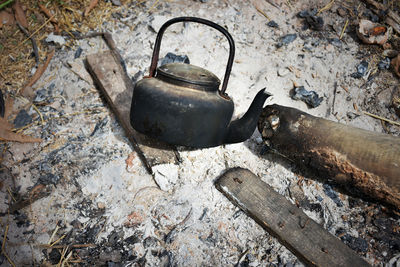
pixel 157 45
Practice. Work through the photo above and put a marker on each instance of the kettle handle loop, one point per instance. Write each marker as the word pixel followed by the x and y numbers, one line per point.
pixel 157 45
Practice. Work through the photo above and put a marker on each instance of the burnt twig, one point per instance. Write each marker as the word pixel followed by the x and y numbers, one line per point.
pixel 2 105
pixel 334 97
pixel 34 45
pixel 38 192
pixel 39 72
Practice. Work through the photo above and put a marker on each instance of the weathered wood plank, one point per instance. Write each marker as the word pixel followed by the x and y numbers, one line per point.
pixel 117 88
pixel 309 241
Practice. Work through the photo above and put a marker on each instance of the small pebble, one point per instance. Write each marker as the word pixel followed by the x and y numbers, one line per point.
pixel 283 72
pixel 341 11
pixel 116 2
pixel 57 39
pixel 101 205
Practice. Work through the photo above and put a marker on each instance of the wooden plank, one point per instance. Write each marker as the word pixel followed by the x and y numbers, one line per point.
pixel 309 241
pixel 117 88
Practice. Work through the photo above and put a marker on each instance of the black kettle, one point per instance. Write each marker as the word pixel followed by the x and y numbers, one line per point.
pixel 180 103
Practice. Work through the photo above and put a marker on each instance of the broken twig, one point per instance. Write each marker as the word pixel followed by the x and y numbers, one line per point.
pixel 3 247
pixel 34 45
pixel 262 12
pixel 344 29
pixel 38 192
pixel 381 118
pixel 327 7
pixel 38 29
pixel 91 5
pixel 39 72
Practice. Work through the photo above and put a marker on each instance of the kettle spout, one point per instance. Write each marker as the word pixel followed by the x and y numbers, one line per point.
pixel 241 129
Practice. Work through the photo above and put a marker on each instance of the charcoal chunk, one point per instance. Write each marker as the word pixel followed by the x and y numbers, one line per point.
pixel 384 64
pixel 272 24
pixel 311 98
pixel 78 52
pixel 314 22
pixel 361 70
pixel 22 119
pixel 332 195
pixel 171 58
pixel 286 39
pixel 355 243
pixel 48 179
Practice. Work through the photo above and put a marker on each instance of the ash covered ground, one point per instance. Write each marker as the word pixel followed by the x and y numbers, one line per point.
pixel 105 209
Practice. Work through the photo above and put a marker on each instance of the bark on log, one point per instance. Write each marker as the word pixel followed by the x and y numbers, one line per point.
pixel 366 161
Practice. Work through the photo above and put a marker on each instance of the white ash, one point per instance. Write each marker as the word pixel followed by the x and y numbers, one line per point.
pixel 188 221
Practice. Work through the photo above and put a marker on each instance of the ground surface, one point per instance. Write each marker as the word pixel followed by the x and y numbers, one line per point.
pixel 103 198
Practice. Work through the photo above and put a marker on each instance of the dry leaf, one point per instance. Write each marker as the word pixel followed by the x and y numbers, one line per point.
pixel 50 16
pixel 47 13
pixel 372 33
pixel 92 4
pixel 8 135
pixel 6 18
pixel 39 72
pixel 396 65
pixel 20 14
pixel 6 132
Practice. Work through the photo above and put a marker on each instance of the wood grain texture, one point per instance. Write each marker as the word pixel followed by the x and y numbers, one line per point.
pixel 309 241
pixel 117 88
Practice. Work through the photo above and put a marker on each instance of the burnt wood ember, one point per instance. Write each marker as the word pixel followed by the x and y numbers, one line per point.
pixel 363 161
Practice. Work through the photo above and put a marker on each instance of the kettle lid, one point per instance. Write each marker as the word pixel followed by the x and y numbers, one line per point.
pixel 188 75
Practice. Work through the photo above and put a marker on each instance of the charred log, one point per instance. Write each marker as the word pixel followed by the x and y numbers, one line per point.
pixel 363 160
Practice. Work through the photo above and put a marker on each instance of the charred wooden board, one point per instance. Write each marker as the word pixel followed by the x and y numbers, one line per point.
pixel 363 161
pixel 117 88
pixel 309 241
